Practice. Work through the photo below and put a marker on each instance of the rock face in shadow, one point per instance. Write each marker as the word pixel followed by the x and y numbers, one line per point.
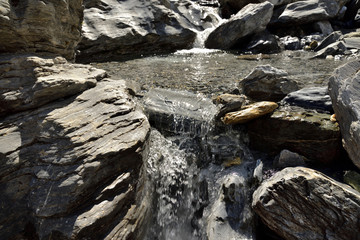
pixel 112 28
pixel 40 26
pixel 69 169
pixel 251 19
pixel 301 203
pixel 344 92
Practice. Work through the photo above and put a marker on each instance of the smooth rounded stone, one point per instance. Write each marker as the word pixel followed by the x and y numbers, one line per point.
pixel 302 12
pixel 266 83
pixel 229 103
pixel 40 26
pixel 290 43
pixel 113 28
pixel 263 42
pixel 251 19
pixel 332 38
pixel 29 81
pixel 249 112
pixel 307 133
pixel 316 98
pixel 301 203
pixel 333 49
pixel 344 92
pixel 73 165
pixel 353 179
pixel 287 158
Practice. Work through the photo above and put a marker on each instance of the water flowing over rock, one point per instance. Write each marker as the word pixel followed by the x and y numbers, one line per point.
pixel 70 168
pixel 344 92
pixel 29 81
pixel 40 26
pixel 301 203
pixel 308 133
pixel 266 83
pixel 251 19
pixel 112 28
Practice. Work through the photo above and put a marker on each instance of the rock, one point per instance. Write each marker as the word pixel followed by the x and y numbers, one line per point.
pixel 353 179
pixel 134 27
pixel 263 42
pixel 316 98
pixel 291 43
pixel 179 111
pixel 332 38
pixel 307 133
pixel 344 92
pixel 249 112
pixel 40 26
pixel 324 27
pixel 228 103
pixel 352 42
pixel 333 49
pixel 249 20
pixel 73 166
pixel 29 81
pixel 301 203
pixel 279 2
pixel 266 83
pixel 302 12
pixel 230 7
pixel 287 158
pixel 352 9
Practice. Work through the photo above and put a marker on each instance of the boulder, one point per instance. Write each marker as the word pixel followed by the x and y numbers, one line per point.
pixel 263 42
pixel 301 203
pixel 333 49
pixel 302 12
pixel 352 42
pixel 287 158
pixel 40 26
pixel 230 7
pixel 249 112
pixel 332 38
pixel 266 83
pixel 344 92
pixel 307 133
pixel 70 168
pixel 250 20
pixel 134 27
pixel 228 103
pixel 290 43
pixel 28 81
pixel 316 98
pixel 353 179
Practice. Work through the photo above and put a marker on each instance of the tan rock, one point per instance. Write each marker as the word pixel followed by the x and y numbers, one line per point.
pixel 249 112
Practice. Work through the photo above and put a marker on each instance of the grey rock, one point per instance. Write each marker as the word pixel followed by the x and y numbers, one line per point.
pixel 229 103
pixel 114 28
pixel 280 2
pixel 332 38
pixel 316 98
pixel 28 81
pixel 73 166
pixel 302 12
pixel 251 19
pixel 344 93
pixel 333 49
pixel 301 203
pixel 40 26
pixel 287 158
pixel 230 7
pixel 266 83
pixel 263 42
pixel 324 27
pixel 352 42
pixel 353 179
pixel 290 43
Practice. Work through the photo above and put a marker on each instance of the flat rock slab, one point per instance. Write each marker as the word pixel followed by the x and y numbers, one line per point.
pixel 70 167
pixel 345 91
pixel 301 203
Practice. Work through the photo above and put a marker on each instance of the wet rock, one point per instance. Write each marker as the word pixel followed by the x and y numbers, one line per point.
pixel 249 20
pixel 302 12
pixel 353 179
pixel 264 42
pixel 316 98
pixel 287 158
pixel 333 49
pixel 266 83
pixel 291 43
pixel 29 81
pixel 228 103
pixel 73 166
pixel 40 26
pixel 344 92
pixel 179 111
pixel 249 112
pixel 308 133
pixel 332 38
pixel 301 203
pixel 113 28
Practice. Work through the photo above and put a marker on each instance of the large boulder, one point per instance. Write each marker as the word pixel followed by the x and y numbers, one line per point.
pixel 301 203
pixel 344 91
pixel 113 28
pixel 253 18
pixel 70 168
pixel 29 81
pixel 40 26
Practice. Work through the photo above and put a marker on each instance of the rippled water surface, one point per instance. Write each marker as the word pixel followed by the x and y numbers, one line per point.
pixel 214 72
